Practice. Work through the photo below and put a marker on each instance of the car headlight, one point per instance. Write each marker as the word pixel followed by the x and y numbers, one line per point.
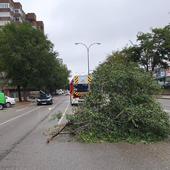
pixel 38 100
pixel 48 99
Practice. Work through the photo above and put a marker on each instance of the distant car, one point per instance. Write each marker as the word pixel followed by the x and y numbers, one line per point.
pixel 166 85
pixel 60 92
pixel 10 101
pixel 67 92
pixel 44 99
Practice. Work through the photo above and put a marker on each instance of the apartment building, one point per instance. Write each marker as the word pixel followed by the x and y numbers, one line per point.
pixel 11 11
pixel 31 18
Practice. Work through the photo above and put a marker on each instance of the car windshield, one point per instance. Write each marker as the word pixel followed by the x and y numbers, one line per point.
pixel 81 88
pixel 43 96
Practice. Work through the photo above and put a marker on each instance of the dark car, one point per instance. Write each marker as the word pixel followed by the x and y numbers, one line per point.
pixel 44 99
pixel 167 85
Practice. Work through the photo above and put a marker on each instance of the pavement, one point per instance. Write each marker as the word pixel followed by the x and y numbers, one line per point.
pixel 165 104
pixel 64 153
pixel 164 97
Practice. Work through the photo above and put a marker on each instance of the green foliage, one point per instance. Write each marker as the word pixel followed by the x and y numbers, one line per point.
pixel 152 49
pixel 120 106
pixel 27 57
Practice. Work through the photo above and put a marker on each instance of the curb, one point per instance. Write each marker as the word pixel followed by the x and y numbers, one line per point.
pixel 163 98
pixel 168 111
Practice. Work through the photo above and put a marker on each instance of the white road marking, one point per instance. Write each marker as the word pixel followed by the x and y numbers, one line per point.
pixel 51 108
pixel 59 122
pixel 27 113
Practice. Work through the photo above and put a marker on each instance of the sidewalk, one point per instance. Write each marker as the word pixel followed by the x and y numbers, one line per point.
pixel 23 104
pixel 164 97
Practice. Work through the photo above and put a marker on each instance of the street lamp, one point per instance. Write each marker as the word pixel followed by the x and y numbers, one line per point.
pixel 88 51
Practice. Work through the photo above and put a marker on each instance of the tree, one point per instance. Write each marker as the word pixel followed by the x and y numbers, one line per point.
pixel 152 49
pixel 27 56
pixel 121 105
pixel 59 78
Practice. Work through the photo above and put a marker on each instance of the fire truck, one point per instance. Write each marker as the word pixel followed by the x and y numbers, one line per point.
pixel 79 88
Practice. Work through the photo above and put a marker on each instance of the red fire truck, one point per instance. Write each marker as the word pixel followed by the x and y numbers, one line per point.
pixel 79 88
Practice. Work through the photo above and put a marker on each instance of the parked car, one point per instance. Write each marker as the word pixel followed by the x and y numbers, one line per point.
pixel 67 92
pixel 59 92
pixel 10 101
pixel 166 85
pixel 44 99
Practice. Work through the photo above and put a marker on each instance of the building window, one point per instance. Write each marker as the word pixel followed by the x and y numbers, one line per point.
pixel 16 10
pixel 4 23
pixel 4 5
pixel 11 8
pixel 5 14
pixel 17 19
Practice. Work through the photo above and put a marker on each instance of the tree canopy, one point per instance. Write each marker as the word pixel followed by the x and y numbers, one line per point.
pixel 28 58
pixel 152 49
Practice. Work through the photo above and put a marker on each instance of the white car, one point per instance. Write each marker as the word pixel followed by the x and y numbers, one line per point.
pixel 60 92
pixel 67 92
pixel 10 101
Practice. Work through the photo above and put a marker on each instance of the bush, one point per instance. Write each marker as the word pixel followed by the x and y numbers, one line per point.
pixel 121 107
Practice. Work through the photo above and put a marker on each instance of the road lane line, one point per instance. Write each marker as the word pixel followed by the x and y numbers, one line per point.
pixel 63 114
pixel 27 113
pixel 51 108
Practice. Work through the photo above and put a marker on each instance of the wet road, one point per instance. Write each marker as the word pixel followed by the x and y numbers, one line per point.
pixel 165 104
pixel 32 153
pixel 18 122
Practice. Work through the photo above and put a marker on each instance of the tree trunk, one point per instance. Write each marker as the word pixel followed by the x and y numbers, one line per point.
pixel 147 68
pixel 19 93
pixel 153 69
pixel 25 94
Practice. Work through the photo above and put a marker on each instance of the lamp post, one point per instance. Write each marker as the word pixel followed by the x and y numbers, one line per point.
pixel 88 51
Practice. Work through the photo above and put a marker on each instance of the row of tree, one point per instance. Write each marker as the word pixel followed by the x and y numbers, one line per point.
pixel 27 58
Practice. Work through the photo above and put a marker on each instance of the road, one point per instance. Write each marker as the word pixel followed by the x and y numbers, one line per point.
pixel 165 104
pixel 23 145
pixel 18 122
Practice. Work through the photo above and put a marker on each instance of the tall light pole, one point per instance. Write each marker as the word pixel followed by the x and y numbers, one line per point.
pixel 88 51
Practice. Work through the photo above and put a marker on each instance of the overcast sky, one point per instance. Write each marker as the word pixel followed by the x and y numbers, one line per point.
pixel 111 22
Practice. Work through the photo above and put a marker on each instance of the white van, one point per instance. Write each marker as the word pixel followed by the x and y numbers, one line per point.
pixel 10 101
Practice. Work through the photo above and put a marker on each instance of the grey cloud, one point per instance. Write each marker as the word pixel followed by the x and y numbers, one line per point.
pixel 111 22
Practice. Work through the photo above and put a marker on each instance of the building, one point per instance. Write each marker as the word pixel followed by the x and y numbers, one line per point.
pixel 11 11
pixel 162 75
pixel 31 18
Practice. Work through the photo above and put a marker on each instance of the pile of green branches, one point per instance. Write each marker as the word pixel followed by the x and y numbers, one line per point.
pixel 120 106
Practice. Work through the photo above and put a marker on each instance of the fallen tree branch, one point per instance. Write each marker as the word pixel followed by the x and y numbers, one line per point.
pixel 79 129
pixel 57 133
pixel 60 129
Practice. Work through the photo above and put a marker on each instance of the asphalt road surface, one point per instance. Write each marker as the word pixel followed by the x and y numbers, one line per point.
pixel 23 145
pixel 165 104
